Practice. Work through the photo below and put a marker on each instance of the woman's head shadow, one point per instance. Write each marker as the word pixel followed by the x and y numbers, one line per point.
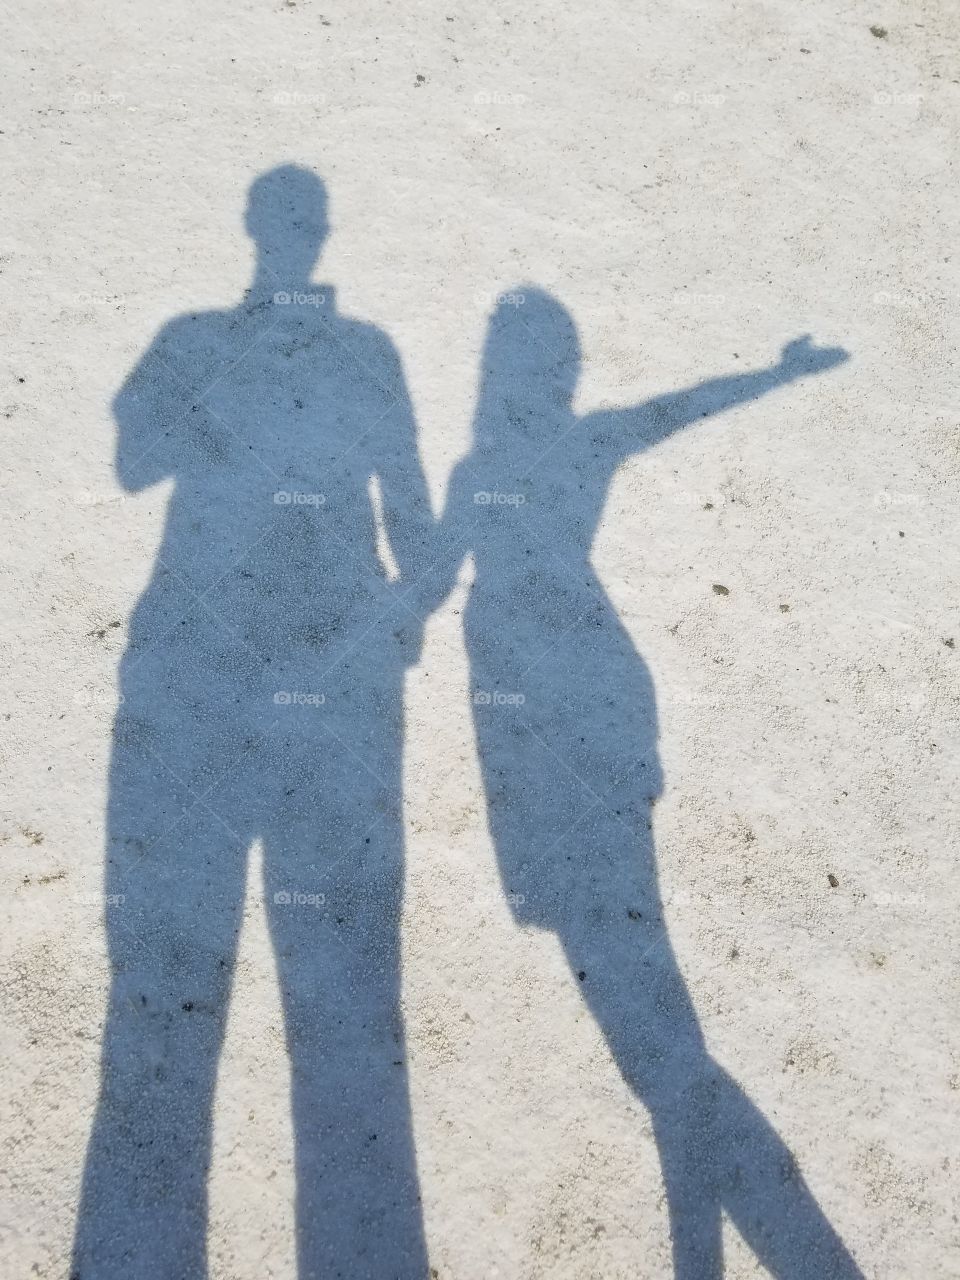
pixel 533 343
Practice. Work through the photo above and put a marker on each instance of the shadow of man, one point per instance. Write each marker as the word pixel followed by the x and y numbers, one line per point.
pixel 566 729
pixel 262 701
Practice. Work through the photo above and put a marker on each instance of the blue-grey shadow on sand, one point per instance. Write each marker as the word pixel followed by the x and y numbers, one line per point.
pixel 262 701
pixel 566 727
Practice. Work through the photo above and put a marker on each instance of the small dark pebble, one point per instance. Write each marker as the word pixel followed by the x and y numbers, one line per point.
pixel 187 1006
pixel 581 974
pixel 900 531
pixel 833 881
pixel 708 506
pixel 634 914
pixel 949 643
pixel 879 32
pixel 720 590
pixel 784 608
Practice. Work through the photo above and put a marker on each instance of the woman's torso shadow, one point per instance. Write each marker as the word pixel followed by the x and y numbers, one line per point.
pixel 262 701
pixel 566 727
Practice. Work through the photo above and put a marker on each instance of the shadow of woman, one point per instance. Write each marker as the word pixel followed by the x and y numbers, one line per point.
pixel 262 701
pixel 566 728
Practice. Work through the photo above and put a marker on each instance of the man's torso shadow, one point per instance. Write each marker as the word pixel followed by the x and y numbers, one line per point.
pixel 262 701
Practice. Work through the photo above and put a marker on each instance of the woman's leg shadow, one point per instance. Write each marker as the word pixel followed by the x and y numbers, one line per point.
pixel 717 1151
pixel 581 863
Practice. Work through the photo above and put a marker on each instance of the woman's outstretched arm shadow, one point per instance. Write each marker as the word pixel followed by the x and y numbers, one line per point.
pixel 645 425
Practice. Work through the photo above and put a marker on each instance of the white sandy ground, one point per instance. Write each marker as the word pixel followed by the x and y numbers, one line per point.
pixel 698 183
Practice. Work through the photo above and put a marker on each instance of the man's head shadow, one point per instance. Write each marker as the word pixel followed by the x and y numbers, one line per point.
pixel 287 217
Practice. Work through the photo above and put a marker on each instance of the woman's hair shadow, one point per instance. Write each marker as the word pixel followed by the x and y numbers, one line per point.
pixel 566 728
